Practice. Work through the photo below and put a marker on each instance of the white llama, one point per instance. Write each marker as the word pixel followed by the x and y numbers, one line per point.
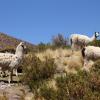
pixel 10 61
pixel 79 41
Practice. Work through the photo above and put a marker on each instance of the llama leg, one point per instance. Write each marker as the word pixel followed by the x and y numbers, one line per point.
pixel 9 80
pixel 1 72
pixel 17 75
pixel 73 47
pixel 76 47
pixel 10 76
pixel 16 72
pixel 6 73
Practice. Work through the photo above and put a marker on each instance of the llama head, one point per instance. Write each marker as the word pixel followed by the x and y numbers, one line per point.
pixel 21 47
pixel 96 34
pixel 22 44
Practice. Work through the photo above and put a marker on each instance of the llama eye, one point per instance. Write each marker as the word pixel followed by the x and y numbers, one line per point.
pixel 22 46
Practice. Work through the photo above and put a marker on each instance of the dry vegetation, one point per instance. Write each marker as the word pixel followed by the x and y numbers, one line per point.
pixel 57 75
pixel 3 97
pixel 53 72
pixel 63 58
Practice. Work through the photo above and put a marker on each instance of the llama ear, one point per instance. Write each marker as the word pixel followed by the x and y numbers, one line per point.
pixel 22 43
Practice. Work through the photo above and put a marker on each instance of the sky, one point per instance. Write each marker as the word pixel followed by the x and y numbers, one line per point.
pixel 38 21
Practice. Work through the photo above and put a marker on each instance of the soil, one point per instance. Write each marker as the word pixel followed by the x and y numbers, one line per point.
pixel 15 91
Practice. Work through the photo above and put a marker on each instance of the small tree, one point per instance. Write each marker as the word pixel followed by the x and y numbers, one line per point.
pixel 59 40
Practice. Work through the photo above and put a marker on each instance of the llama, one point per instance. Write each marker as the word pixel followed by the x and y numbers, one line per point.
pixel 90 53
pixel 80 41
pixel 10 61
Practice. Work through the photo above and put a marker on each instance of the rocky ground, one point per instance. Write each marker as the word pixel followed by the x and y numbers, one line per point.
pixel 15 91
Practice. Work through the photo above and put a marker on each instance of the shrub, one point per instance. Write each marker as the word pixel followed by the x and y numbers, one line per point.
pixel 96 67
pixel 95 80
pixel 36 71
pixel 42 47
pixel 59 41
pixel 95 43
pixel 4 96
pixel 80 86
pixel 48 93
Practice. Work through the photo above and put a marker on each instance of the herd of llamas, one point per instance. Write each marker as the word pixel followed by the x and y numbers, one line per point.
pixel 88 52
pixel 9 61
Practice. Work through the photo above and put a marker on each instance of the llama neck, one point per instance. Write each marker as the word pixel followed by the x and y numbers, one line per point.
pixel 92 38
pixel 19 53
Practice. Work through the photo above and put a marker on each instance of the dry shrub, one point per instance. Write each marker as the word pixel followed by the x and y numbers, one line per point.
pixel 57 53
pixel 4 96
pixel 45 54
pixel 51 84
pixel 37 71
pixel 59 41
pixel 64 59
pixel 74 62
pixel 82 85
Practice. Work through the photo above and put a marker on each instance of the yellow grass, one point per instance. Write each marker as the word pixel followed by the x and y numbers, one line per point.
pixel 49 53
pixel 3 96
pixel 64 59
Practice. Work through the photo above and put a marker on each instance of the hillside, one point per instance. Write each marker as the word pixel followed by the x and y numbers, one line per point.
pixel 58 75
pixel 52 72
pixel 9 43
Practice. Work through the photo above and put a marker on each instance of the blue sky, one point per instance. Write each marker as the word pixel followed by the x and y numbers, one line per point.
pixel 38 20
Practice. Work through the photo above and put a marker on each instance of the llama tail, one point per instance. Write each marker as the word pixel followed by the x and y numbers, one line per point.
pixel 83 52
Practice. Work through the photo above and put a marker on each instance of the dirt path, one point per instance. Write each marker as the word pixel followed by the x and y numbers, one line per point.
pixel 16 91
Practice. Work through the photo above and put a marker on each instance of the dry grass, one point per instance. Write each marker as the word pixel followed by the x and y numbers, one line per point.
pixel 52 84
pixel 49 53
pixel 75 61
pixel 3 96
pixel 64 59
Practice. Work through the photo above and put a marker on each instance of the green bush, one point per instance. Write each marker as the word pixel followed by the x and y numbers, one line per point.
pixel 48 93
pixel 96 67
pixel 36 71
pixel 81 86
pixel 42 47
pixel 60 41
pixel 95 43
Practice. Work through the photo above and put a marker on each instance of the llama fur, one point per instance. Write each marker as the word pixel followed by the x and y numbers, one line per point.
pixel 78 41
pixel 10 61
pixel 90 53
